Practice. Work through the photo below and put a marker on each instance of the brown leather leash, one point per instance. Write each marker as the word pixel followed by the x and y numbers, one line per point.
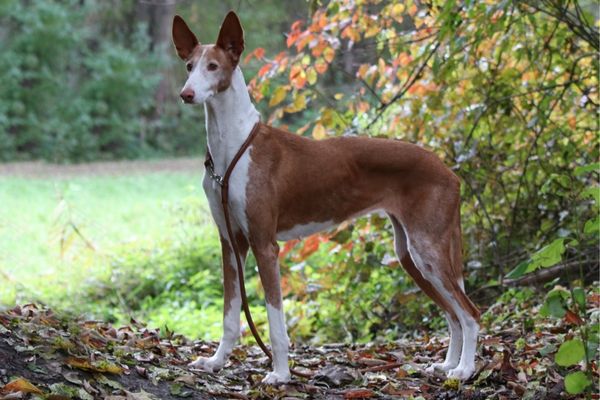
pixel 224 183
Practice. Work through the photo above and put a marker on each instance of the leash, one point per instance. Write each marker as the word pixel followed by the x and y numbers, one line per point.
pixel 224 183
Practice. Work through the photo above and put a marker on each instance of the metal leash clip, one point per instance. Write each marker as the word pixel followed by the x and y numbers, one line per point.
pixel 210 168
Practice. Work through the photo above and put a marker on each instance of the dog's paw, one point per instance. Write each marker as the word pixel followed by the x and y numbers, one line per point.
pixel 274 378
pixel 210 364
pixel 461 373
pixel 439 367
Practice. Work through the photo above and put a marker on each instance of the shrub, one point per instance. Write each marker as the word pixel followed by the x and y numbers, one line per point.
pixel 72 93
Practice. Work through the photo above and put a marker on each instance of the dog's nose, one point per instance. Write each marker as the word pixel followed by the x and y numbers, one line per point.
pixel 187 95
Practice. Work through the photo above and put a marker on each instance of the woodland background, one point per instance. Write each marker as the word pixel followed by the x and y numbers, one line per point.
pixel 505 92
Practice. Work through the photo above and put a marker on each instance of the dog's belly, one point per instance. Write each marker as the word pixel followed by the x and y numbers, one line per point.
pixel 302 230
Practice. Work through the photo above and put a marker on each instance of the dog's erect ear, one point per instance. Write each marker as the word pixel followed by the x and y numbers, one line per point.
pixel 231 37
pixel 183 38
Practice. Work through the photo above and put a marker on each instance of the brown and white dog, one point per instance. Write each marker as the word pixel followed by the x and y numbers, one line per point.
pixel 286 186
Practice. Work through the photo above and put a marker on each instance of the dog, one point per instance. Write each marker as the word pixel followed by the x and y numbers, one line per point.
pixel 286 186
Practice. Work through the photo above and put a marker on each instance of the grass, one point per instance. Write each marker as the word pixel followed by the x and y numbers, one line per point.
pixel 56 232
pixel 137 246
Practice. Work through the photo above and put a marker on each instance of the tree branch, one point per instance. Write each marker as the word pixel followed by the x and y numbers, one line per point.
pixel 547 274
pixel 415 75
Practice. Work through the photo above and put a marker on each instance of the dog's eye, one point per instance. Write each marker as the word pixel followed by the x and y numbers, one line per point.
pixel 212 66
pixel 189 66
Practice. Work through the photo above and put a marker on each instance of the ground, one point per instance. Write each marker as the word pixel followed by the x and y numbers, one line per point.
pixel 39 169
pixel 55 356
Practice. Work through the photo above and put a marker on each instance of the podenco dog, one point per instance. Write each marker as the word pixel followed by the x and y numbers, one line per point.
pixel 287 186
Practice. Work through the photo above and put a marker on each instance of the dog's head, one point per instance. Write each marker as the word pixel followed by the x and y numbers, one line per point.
pixel 209 66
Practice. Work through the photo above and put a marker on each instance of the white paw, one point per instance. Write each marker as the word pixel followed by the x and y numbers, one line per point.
pixel 274 378
pixel 461 373
pixel 210 364
pixel 439 367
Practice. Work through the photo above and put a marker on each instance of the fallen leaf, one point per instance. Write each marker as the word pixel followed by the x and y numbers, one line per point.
pixel 12 396
pixel 451 384
pixel 73 377
pixel 508 371
pixel 21 385
pixel 336 375
pixel 393 390
pixel 189 380
pixel 517 388
pixel 142 395
pixel 359 394
pixel 371 361
pixel 143 372
pixel 573 318
pixel 96 366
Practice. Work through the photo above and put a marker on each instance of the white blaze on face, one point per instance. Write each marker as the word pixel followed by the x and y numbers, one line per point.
pixel 207 75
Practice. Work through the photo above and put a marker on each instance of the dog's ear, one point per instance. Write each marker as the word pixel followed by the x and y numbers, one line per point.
pixel 231 37
pixel 183 38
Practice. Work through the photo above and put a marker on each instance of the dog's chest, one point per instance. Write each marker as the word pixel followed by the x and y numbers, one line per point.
pixel 238 183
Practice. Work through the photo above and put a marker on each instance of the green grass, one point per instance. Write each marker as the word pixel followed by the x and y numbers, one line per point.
pixel 56 232
pixel 115 247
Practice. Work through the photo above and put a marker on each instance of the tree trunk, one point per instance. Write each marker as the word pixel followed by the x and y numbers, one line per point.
pixel 158 16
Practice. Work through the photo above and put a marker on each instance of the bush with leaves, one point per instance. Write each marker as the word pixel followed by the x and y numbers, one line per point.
pixel 505 92
pixel 71 92
pixel 570 304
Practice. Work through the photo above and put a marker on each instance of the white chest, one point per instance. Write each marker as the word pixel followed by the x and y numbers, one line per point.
pixel 238 182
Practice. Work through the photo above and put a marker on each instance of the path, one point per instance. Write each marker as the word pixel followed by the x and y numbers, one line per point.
pixel 39 169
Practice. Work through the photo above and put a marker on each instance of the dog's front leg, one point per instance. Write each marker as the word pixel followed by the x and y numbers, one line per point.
pixel 266 253
pixel 232 303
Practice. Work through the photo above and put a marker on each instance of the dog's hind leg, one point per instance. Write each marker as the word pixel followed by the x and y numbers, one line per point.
pixel 456 339
pixel 433 258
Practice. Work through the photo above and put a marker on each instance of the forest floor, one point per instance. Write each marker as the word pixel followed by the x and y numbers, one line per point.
pixel 47 355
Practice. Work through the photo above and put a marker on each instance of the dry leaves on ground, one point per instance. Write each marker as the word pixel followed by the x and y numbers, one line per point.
pixel 51 356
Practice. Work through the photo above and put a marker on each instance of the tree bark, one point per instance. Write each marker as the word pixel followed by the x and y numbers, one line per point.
pixel 158 14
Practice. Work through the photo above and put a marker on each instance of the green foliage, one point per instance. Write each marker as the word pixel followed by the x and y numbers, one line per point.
pixel 348 285
pixel 40 249
pixel 172 284
pixel 562 303
pixel 86 80
pixel 556 303
pixel 570 352
pixel 67 95
pixel 577 382
pixel 155 257
pixel 570 306
pixel 547 256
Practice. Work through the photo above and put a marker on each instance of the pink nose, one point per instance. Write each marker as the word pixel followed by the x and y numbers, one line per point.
pixel 187 95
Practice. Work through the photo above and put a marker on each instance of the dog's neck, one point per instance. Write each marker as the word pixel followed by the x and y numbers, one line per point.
pixel 230 117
